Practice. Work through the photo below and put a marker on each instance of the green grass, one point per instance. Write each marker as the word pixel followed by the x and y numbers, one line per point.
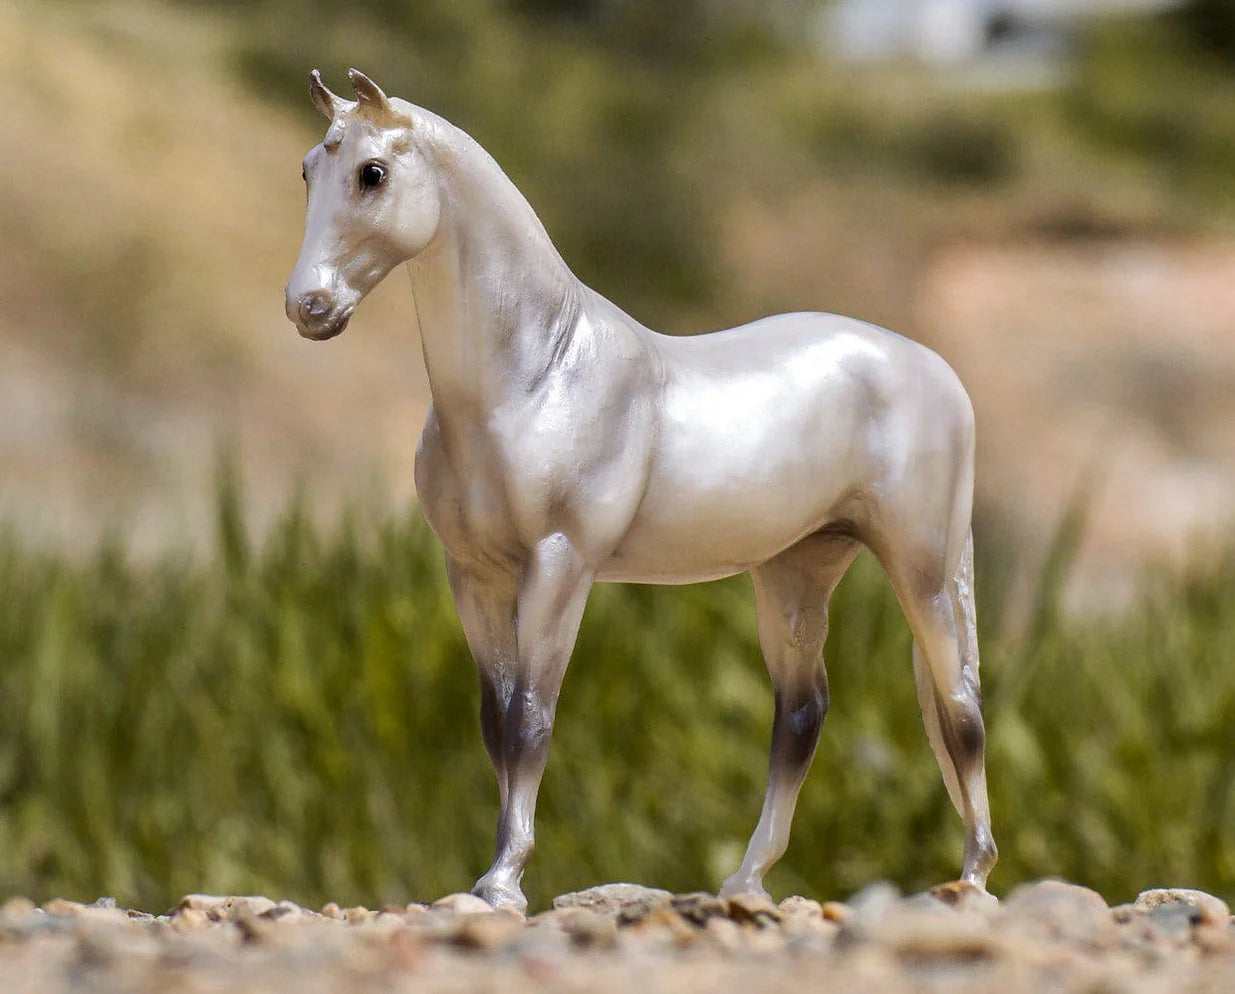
pixel 299 717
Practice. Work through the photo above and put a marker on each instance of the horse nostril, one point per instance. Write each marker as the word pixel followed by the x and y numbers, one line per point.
pixel 314 304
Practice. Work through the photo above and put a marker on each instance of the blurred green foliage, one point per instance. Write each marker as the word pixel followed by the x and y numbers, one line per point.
pixel 1209 25
pixel 299 717
pixel 1161 91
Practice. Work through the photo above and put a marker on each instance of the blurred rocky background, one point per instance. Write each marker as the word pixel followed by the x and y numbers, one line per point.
pixel 1040 189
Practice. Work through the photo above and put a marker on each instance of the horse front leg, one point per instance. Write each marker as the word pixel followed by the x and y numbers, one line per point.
pixel 487 607
pixel 549 606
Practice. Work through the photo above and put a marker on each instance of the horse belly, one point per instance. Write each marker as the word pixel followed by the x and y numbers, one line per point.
pixel 731 487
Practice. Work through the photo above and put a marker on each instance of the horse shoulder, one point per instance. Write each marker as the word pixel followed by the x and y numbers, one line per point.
pixel 578 448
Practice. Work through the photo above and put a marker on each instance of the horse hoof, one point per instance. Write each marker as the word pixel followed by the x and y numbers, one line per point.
pixel 501 896
pixel 964 894
pixel 748 887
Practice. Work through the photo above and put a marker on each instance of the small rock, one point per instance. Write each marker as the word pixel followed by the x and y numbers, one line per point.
pixel 663 924
pixel 766 942
pixel 798 905
pixel 59 906
pixel 1055 893
pixel 753 909
pixel 189 920
pixel 628 900
pixel 482 930
pixel 252 929
pixel 231 908
pixel 102 915
pixel 835 911
pixel 285 912
pixel 17 908
pixel 1124 913
pixel 875 900
pixel 1056 910
pixel 381 925
pixel 815 927
pixel 1175 920
pixel 590 929
pixel 962 894
pixel 922 931
pixel 463 904
pixel 200 902
pixel 723 933
pixel 1212 910
pixel 358 915
pixel 698 906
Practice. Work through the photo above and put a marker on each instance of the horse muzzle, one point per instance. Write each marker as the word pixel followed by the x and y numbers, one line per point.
pixel 317 315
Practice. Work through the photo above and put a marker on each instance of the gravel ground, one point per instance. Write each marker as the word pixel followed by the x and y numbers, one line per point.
pixel 1044 937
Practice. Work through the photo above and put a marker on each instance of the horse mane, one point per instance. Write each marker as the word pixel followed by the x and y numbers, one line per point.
pixel 473 169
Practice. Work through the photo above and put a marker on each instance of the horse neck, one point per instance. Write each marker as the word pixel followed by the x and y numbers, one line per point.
pixel 496 303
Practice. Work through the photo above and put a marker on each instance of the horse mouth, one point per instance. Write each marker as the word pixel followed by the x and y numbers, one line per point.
pixel 327 329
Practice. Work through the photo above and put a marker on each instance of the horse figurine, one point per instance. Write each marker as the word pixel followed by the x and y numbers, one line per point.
pixel 568 444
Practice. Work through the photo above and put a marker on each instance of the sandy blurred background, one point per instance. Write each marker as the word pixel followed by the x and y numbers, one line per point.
pixel 1039 189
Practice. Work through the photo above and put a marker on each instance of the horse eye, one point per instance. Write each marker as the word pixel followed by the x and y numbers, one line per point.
pixel 371 175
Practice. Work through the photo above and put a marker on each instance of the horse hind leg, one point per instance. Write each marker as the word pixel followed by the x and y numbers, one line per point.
pixel 791 601
pixel 943 619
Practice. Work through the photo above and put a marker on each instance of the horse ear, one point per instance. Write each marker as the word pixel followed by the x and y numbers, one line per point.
pixel 371 101
pixel 323 99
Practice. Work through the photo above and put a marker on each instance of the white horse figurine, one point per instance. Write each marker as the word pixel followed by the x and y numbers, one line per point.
pixel 567 443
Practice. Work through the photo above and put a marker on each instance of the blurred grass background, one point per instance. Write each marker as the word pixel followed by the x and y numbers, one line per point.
pixel 274 698
pixel 298 716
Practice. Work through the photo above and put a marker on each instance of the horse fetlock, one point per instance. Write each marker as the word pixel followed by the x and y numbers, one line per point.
pixel 981 853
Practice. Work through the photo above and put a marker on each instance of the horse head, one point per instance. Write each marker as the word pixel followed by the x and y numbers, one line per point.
pixel 373 203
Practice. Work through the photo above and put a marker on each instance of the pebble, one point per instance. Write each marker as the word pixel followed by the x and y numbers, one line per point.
pixel 630 901
pixel 463 904
pixel 835 911
pixel 357 916
pixel 590 929
pixel 284 912
pixel 1056 910
pixel 965 896
pixel 17 908
pixel 699 906
pixel 754 909
pixel 1051 935
pixel 189 920
pixel 1210 910
pixel 59 906
pixel 797 905
pixel 875 899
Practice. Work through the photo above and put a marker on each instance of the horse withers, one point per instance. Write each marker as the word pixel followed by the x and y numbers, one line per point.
pixel 568 444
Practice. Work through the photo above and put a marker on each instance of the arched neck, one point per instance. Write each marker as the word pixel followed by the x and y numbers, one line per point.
pixel 497 305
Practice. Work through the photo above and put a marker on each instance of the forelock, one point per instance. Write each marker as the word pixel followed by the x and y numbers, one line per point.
pixel 335 133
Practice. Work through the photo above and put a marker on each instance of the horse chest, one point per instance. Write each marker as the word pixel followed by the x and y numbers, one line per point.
pixel 465 497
